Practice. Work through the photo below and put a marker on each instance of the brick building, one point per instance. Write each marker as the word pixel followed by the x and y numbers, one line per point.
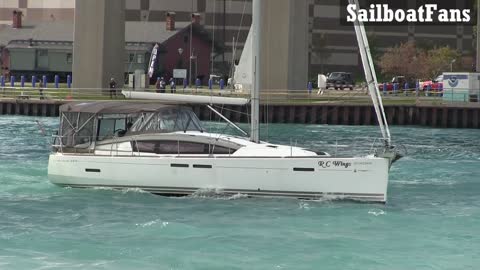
pixel 332 46
pixel 46 48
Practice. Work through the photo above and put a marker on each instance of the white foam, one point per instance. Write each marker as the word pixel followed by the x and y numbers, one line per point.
pixel 238 196
pixel 134 190
pixel 304 205
pixel 377 212
pixel 163 224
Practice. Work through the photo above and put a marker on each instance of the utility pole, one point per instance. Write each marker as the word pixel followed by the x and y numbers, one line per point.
pixel 477 66
pixel 224 31
pixel 213 36
pixel 191 43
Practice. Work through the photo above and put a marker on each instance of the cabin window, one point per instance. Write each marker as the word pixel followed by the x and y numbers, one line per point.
pixel 176 147
pixel 108 128
pixel 76 128
pixel 169 120
pixel 146 147
pixel 181 147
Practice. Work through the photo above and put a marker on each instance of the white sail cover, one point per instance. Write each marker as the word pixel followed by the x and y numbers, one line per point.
pixel 185 99
pixel 243 71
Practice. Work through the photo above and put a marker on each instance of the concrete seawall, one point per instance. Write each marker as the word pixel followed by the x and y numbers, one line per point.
pixel 332 114
pixel 30 107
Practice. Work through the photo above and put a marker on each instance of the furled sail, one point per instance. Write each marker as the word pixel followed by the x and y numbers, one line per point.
pixel 185 99
pixel 243 76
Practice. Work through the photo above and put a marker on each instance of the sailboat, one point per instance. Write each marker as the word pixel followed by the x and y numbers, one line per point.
pixel 164 148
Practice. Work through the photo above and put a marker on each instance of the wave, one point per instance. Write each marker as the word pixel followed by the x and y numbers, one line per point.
pixel 163 224
pixel 377 212
pixel 122 190
pixel 217 194
pixel 435 182
pixel 133 190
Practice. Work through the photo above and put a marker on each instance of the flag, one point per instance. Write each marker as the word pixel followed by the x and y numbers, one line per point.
pixel 153 59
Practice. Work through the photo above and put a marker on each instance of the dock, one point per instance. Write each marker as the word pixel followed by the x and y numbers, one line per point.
pixel 427 115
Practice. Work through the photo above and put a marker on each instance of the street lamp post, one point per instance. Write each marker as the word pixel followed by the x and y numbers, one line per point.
pixel 451 64
pixel 180 52
pixel 194 58
pixel 191 44
pixel 477 66
pixel 180 63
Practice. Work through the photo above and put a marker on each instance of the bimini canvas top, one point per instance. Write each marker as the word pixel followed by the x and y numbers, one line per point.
pixel 113 107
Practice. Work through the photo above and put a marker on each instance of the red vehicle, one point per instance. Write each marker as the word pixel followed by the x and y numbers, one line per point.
pixel 401 80
pixel 435 85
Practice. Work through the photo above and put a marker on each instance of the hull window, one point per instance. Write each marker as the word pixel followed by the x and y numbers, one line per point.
pixel 176 147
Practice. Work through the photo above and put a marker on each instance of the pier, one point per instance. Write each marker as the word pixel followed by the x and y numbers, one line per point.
pixel 436 116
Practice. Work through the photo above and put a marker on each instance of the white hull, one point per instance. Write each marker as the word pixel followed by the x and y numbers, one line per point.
pixel 364 179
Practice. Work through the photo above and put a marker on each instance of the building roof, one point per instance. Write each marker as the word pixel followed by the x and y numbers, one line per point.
pixel 51 45
pixel 54 31
pixel 151 31
pixel 62 31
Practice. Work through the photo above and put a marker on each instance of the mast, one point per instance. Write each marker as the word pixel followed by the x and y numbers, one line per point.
pixel 371 77
pixel 256 67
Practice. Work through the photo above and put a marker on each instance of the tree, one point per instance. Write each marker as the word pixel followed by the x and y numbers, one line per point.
pixel 403 60
pixel 439 60
pixel 413 62
pixel 374 49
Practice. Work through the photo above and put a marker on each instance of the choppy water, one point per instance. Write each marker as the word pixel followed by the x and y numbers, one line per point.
pixel 432 220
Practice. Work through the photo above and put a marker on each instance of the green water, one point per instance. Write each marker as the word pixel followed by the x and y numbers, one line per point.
pixel 431 221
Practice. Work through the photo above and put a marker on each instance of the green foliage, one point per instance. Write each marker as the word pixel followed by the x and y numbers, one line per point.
pixel 439 60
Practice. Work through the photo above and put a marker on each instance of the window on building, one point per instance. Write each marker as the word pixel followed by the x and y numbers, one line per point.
pixel 130 58
pixel 42 59
pixel 140 59
pixel 69 58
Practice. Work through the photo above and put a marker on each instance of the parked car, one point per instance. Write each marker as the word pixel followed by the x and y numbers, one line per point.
pixel 216 78
pixel 401 80
pixel 435 84
pixel 340 80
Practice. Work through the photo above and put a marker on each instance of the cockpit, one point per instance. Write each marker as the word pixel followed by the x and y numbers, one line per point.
pixel 168 120
pixel 85 123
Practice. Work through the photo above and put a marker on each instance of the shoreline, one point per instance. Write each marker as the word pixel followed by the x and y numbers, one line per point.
pixel 426 115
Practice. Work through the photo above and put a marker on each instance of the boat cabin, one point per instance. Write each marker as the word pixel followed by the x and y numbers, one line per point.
pixel 128 128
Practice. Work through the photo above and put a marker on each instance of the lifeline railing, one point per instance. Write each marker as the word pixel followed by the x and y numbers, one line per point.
pixel 314 96
pixel 358 146
pixel 91 147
